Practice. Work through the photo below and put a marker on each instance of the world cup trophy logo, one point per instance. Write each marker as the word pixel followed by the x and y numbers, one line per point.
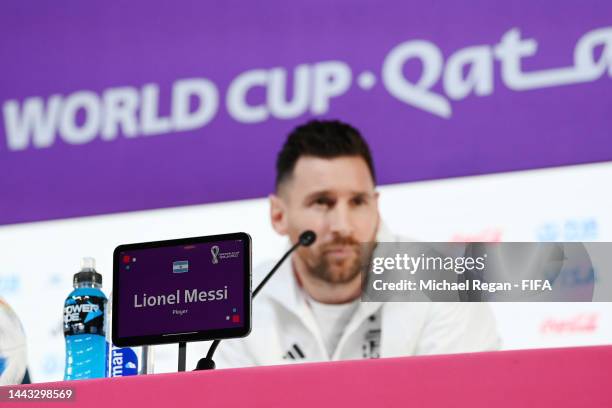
pixel 215 254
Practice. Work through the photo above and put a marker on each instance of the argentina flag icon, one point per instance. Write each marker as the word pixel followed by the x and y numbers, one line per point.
pixel 180 266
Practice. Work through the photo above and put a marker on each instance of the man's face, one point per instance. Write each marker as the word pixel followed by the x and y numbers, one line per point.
pixel 336 199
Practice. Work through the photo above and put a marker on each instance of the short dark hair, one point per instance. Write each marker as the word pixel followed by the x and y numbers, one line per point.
pixel 321 138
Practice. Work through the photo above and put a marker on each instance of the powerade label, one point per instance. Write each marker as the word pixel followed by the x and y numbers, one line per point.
pixel 123 362
pixel 84 315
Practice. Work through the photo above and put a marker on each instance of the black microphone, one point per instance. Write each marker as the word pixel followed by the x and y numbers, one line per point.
pixel 306 238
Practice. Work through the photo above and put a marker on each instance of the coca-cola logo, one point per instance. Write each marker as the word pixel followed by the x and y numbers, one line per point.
pixel 580 323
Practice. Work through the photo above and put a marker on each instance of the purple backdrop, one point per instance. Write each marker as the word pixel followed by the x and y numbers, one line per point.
pixel 428 84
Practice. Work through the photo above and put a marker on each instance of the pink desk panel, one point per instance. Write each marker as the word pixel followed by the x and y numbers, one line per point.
pixel 571 377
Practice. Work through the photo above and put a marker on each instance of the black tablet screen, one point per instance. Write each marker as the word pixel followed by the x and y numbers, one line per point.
pixel 173 291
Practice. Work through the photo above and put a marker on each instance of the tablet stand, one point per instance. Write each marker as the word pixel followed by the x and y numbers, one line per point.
pixel 182 356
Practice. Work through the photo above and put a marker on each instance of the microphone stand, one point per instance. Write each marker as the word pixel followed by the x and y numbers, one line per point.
pixel 306 239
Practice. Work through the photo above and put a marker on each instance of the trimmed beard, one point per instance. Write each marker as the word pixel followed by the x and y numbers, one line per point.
pixel 322 270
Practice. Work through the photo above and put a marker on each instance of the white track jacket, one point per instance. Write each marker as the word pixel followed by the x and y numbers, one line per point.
pixel 285 331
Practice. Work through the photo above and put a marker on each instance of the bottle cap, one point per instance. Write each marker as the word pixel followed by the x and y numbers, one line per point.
pixel 88 273
pixel 88 263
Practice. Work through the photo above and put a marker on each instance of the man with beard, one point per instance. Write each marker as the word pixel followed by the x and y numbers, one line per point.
pixel 311 310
